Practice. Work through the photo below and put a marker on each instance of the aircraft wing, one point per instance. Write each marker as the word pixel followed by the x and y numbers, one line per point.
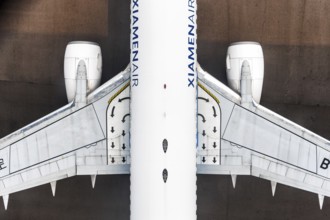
pixel 233 139
pixel 238 139
pixel 70 141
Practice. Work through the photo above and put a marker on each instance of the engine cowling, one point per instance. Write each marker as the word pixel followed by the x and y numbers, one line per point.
pixel 237 53
pixel 90 53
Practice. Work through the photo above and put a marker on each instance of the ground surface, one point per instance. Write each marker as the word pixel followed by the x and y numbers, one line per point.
pixel 295 35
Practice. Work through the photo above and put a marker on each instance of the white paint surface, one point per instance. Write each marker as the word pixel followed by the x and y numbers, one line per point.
pixel 159 113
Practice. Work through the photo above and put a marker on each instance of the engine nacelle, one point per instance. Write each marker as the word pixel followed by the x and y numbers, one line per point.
pixel 90 53
pixel 251 52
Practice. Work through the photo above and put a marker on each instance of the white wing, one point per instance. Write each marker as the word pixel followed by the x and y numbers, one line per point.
pixel 256 141
pixel 70 141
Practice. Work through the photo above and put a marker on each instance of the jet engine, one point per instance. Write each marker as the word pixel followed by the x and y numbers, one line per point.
pixel 239 52
pixel 90 54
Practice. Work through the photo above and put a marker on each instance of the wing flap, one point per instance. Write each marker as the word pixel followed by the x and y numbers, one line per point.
pixel 281 172
pixel 41 174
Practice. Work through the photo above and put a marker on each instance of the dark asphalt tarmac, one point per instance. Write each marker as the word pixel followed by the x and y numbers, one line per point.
pixel 295 36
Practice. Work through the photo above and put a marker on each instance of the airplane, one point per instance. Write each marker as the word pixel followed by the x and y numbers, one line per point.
pixel 130 123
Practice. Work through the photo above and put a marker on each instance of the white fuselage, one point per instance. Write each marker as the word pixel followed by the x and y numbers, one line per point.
pixel 163 109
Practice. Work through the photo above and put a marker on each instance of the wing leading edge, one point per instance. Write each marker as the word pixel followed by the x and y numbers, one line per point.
pixel 256 141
